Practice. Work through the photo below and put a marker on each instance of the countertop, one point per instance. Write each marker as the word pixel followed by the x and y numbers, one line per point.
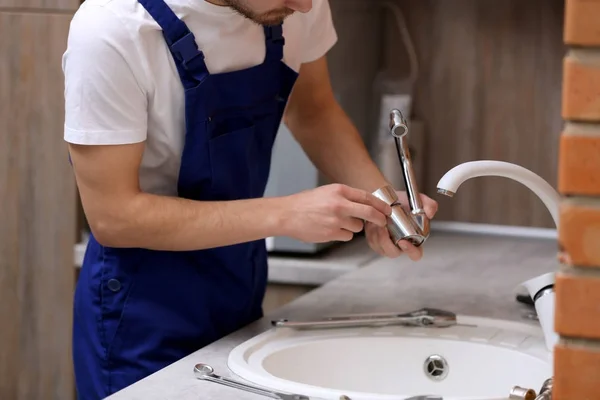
pixel 306 269
pixel 474 275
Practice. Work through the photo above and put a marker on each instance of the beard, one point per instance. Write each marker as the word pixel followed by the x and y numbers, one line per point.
pixel 272 17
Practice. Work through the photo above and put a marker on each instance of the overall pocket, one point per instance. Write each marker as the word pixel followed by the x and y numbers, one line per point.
pixel 233 158
pixel 118 276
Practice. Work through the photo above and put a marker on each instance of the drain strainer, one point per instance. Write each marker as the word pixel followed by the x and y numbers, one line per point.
pixel 436 367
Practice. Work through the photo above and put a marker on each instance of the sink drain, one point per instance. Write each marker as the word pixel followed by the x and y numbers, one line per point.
pixel 436 367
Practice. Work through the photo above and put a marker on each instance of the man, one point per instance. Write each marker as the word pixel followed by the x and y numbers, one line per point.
pixel 171 113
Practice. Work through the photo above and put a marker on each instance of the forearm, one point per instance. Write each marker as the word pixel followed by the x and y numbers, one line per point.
pixel 170 223
pixel 336 148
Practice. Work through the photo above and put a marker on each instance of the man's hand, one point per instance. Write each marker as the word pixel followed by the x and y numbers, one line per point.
pixel 379 238
pixel 332 213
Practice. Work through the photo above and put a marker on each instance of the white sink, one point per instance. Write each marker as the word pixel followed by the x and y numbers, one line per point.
pixel 479 362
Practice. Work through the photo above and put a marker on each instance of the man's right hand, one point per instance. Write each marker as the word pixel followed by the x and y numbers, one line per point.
pixel 332 212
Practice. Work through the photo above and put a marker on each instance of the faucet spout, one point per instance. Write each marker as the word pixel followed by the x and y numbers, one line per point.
pixel 452 180
pixel 399 130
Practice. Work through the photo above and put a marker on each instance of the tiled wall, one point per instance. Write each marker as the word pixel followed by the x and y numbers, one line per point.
pixel 577 357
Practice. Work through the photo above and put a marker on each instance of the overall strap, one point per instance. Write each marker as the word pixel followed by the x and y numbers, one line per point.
pixel 274 41
pixel 180 40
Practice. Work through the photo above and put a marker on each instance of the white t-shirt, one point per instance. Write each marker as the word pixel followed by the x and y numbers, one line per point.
pixel 122 86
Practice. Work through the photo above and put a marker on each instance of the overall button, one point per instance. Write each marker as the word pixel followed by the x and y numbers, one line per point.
pixel 114 285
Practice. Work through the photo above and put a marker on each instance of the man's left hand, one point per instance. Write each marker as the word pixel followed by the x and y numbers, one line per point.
pixel 379 238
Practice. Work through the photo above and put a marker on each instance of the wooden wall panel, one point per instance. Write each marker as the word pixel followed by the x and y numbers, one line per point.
pixel 37 213
pixel 39 5
pixel 489 88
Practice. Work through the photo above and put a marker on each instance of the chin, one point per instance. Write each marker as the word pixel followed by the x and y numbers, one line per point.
pixel 273 18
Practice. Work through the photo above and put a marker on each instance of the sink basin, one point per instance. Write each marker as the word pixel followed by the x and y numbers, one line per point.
pixel 479 359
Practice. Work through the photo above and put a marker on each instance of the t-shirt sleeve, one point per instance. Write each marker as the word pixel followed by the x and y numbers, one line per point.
pixel 105 102
pixel 322 34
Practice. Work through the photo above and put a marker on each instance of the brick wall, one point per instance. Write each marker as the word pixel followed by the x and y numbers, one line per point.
pixel 577 357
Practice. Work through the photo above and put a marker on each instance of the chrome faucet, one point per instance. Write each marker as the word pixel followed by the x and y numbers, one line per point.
pixel 402 226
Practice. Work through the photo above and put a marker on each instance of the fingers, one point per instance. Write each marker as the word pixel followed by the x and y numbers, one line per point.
pixel 387 245
pixel 415 253
pixel 366 198
pixel 343 235
pixel 379 240
pixel 372 232
pixel 429 205
pixel 353 224
pixel 362 205
pixel 365 213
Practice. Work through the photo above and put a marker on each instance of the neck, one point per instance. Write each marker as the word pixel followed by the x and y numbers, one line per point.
pixel 216 2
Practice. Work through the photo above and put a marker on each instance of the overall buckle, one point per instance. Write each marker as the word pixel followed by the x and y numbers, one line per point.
pixel 186 49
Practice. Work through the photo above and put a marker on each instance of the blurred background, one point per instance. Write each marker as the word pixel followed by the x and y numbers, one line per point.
pixel 476 79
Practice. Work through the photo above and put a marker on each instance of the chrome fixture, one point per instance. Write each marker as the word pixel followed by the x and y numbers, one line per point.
pixel 546 390
pixel 541 288
pixel 207 373
pixel 425 318
pixel 436 367
pixel 519 393
pixel 401 226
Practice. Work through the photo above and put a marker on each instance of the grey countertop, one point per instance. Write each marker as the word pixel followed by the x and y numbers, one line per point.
pixel 308 269
pixel 468 274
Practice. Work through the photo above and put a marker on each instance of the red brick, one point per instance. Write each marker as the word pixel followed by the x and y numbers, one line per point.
pixel 579 163
pixel 577 305
pixel 576 372
pixel 581 86
pixel 581 25
pixel 579 231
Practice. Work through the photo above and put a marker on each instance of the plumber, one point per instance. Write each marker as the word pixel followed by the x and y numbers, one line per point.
pixel 172 107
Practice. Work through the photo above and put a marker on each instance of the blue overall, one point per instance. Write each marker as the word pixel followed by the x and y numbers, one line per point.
pixel 137 310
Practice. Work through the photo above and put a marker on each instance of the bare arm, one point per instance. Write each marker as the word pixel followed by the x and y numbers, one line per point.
pixel 326 133
pixel 121 215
